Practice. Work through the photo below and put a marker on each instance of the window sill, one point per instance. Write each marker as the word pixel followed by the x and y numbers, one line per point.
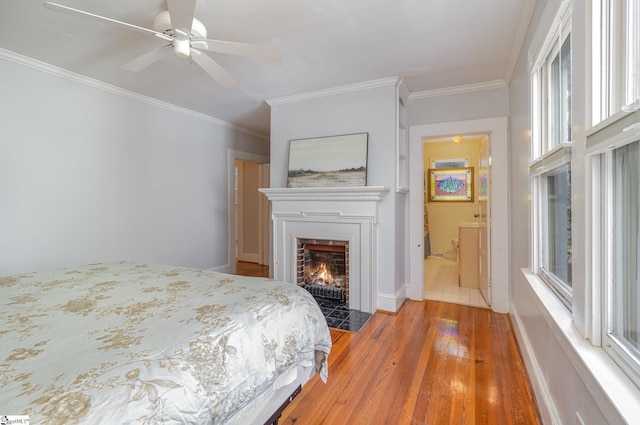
pixel 612 119
pixel 614 393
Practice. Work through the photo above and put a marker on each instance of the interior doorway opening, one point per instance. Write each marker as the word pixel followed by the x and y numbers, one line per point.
pixel 456 210
pixel 498 235
pixel 248 228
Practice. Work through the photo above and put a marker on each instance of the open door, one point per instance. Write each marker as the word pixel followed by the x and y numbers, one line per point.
pixel 248 221
pixel 252 213
pixel 484 218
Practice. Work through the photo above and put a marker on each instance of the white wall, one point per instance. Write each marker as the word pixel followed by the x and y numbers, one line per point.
pixel 370 110
pixel 88 175
pixel 489 103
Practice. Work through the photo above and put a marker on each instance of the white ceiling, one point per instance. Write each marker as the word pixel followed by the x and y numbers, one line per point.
pixel 432 44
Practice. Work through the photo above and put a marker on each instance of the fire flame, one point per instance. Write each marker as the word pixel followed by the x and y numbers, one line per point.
pixel 322 275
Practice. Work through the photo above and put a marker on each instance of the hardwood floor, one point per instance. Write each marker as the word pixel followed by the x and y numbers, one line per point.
pixel 251 269
pixel 431 363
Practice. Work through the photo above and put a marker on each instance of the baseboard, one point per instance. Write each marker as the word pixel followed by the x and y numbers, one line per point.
pixel 226 268
pixel 392 302
pixel 546 406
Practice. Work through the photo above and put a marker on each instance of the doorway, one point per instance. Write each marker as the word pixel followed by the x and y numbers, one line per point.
pixel 455 246
pixel 248 209
pixel 499 228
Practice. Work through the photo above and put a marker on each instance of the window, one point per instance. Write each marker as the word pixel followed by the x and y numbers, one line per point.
pixel 551 148
pixel 557 225
pixel 616 199
pixel 551 184
pixel 551 87
pixel 615 58
pixel 624 299
pixel 614 145
pixel 559 75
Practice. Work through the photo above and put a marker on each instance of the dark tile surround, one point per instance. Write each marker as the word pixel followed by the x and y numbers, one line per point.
pixel 340 316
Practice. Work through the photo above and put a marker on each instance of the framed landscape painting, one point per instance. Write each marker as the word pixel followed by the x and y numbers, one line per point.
pixel 333 161
pixel 451 184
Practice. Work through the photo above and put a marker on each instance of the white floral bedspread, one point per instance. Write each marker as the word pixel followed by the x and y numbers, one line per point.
pixel 125 343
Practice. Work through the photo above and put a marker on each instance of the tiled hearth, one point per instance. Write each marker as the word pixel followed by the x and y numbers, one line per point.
pixel 342 317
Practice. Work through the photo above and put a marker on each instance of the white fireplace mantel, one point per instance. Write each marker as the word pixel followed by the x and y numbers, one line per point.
pixel 338 213
pixel 364 193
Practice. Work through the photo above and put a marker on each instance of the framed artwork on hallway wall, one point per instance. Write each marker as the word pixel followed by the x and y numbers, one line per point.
pixel 450 184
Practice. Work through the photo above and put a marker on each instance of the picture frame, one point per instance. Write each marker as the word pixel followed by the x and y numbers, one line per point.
pixel 450 163
pixel 451 184
pixel 331 161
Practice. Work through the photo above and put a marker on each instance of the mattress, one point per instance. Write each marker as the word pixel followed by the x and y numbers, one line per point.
pixel 138 343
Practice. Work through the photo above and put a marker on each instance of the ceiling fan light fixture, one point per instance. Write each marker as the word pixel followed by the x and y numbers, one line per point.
pixel 181 48
pixel 162 23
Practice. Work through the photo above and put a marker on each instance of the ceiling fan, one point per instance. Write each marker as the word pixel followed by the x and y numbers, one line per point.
pixel 186 36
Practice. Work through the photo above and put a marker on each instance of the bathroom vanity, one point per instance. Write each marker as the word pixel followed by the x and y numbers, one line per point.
pixel 468 262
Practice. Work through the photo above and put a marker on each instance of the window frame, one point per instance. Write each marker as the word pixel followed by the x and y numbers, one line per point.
pixel 541 141
pixel 615 120
pixel 615 56
pixel 538 172
pixel 600 147
pixel 548 153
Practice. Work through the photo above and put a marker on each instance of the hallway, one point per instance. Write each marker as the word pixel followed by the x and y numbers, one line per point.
pixel 441 284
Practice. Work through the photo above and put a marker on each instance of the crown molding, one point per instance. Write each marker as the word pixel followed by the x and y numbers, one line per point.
pixel 487 85
pixel 110 88
pixel 366 85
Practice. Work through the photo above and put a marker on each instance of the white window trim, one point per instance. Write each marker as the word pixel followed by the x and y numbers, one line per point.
pixel 615 82
pixel 549 41
pixel 557 157
pixel 601 141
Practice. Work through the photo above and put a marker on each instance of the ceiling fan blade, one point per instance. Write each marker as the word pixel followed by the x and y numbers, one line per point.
pixel 145 59
pixel 181 14
pixel 66 9
pixel 243 49
pixel 213 69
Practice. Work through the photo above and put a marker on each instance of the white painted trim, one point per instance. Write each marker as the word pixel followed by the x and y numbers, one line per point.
pixel 546 406
pixel 447 91
pixel 221 269
pixel 500 253
pixel 613 392
pixel 295 194
pixel 543 38
pixel 336 213
pixel 392 302
pixel 366 85
pixel 110 88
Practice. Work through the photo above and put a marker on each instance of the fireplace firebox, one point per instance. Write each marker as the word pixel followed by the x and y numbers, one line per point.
pixel 323 268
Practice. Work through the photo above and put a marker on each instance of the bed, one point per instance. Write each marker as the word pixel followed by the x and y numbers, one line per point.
pixel 137 343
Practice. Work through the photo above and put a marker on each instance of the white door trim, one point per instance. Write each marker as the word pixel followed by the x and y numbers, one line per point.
pixel 500 258
pixel 232 156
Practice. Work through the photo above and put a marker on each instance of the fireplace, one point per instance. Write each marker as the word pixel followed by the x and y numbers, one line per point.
pixel 344 217
pixel 323 268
